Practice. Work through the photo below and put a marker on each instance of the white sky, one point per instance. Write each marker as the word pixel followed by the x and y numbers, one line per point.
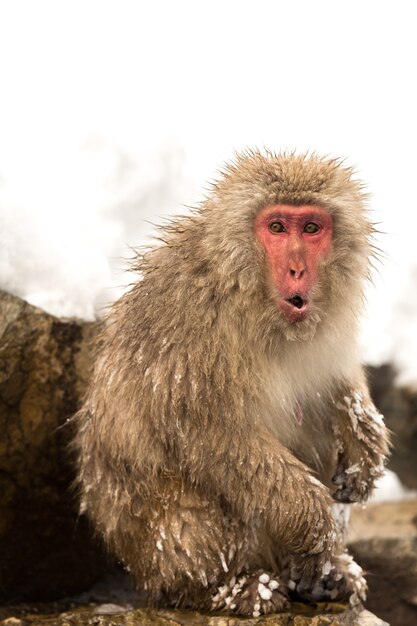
pixel 112 113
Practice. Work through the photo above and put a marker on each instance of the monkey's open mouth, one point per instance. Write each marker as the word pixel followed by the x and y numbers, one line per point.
pixel 297 301
pixel 295 308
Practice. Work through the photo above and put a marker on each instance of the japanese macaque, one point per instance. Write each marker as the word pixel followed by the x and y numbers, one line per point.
pixel 228 407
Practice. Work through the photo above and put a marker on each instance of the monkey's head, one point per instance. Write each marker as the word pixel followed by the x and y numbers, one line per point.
pixel 293 231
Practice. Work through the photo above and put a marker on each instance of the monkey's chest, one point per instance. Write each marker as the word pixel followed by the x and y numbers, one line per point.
pixel 303 426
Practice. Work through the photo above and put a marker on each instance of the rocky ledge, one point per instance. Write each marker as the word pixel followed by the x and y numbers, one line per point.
pixel 113 615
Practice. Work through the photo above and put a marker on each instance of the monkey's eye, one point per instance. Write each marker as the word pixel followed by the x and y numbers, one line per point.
pixel 277 227
pixel 311 228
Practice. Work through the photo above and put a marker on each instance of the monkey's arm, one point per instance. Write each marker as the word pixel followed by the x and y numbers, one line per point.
pixel 363 443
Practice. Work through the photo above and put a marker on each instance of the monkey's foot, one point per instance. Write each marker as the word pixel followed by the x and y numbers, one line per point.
pixel 342 577
pixel 253 594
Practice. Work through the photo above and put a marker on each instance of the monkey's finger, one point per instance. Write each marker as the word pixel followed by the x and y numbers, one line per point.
pixel 346 495
pixel 339 478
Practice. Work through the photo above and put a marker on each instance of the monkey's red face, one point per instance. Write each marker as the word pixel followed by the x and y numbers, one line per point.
pixel 296 240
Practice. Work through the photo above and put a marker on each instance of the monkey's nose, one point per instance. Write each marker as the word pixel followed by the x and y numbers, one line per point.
pixel 297 274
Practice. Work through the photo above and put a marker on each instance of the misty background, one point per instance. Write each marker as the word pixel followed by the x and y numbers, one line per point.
pixel 114 115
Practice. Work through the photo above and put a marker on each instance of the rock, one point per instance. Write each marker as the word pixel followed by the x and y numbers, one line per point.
pixel 366 618
pixel 46 550
pixel 164 617
pixel 13 621
pixel 110 609
pixel 399 406
pixel 383 540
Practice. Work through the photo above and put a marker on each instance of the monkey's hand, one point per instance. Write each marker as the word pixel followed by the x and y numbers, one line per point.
pixel 341 577
pixel 355 482
pixel 319 537
pixel 307 569
pixel 363 443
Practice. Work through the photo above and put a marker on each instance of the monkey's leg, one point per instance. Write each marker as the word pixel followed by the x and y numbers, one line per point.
pixel 185 550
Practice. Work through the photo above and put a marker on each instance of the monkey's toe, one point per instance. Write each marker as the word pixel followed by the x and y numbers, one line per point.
pixel 255 594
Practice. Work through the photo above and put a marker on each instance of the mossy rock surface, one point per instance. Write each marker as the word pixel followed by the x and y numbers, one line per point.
pixel 113 615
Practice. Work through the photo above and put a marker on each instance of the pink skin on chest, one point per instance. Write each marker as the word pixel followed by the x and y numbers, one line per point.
pixel 295 239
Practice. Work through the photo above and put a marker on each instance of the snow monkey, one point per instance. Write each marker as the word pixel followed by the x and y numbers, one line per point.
pixel 228 407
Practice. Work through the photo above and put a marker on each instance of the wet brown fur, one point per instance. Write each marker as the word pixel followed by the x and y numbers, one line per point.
pixel 192 464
